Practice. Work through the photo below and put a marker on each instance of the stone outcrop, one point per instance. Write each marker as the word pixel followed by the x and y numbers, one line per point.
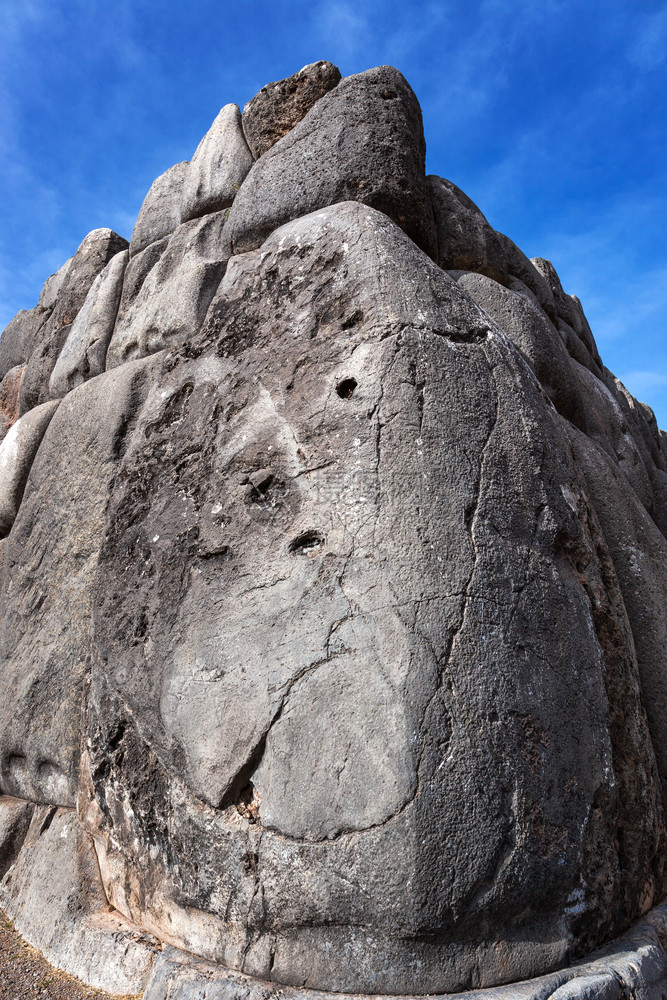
pixel 278 107
pixel 218 168
pixel 160 212
pixel 333 590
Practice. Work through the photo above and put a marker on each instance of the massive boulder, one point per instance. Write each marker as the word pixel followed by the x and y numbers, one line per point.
pixel 218 168
pixel 167 289
pixel 84 352
pixel 363 141
pixel 333 594
pixel 92 256
pixel 160 211
pixel 278 107
pixel 50 559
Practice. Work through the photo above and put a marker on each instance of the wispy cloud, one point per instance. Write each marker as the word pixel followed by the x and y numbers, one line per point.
pixel 648 49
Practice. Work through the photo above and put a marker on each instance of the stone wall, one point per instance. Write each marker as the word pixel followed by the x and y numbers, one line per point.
pixel 333 583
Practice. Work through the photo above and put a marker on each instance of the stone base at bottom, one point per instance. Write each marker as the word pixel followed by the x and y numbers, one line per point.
pixel 50 886
pixel 634 967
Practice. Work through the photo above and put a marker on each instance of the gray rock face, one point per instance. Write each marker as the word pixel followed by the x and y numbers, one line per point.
pixel 17 453
pixel 84 352
pixel 15 817
pixel 160 212
pixel 529 328
pixel 278 107
pixel 633 966
pixel 167 290
pixel 91 258
pixel 45 602
pixel 18 338
pixel 466 242
pixel 218 168
pixel 274 633
pixel 338 625
pixel 73 924
pixel 53 286
pixel 361 141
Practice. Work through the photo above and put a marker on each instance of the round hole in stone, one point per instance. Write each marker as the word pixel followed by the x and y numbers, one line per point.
pixel 308 543
pixel 346 387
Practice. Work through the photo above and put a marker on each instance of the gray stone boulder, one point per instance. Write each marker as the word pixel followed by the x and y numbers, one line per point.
pixel 160 212
pixel 639 553
pixel 568 308
pixel 54 896
pixel 84 353
pixel 361 141
pixel 92 256
pixel 635 965
pixel 528 327
pixel 17 453
pixel 15 817
pixel 19 338
pixel 278 107
pixel 467 242
pixel 347 519
pixel 218 168
pixel 49 560
pixel 332 635
pixel 167 290
pixel 53 286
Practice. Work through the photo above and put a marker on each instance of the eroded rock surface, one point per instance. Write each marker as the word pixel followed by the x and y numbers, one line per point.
pixel 73 926
pixel 160 212
pixel 45 603
pixel 337 626
pixel 167 290
pixel 361 141
pixel 218 168
pixel 278 107
pixel 91 258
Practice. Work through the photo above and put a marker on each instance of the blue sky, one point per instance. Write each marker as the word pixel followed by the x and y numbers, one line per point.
pixel 550 114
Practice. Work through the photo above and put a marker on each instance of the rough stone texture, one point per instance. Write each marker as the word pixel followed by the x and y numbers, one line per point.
pixel 84 352
pixel 467 242
pixel 528 327
pixel 568 308
pixel 45 597
pixel 160 212
pixel 9 398
pixel 54 895
pixel 342 619
pixel 17 453
pixel 278 107
pixel 361 141
pixel 218 168
pixel 633 966
pixel 19 337
pixel 272 632
pixel 15 817
pixel 53 286
pixel 167 290
pixel 93 255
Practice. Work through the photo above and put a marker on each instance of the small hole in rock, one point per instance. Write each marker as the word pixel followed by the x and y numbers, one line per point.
pixel 248 803
pixel 346 387
pixel 307 544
